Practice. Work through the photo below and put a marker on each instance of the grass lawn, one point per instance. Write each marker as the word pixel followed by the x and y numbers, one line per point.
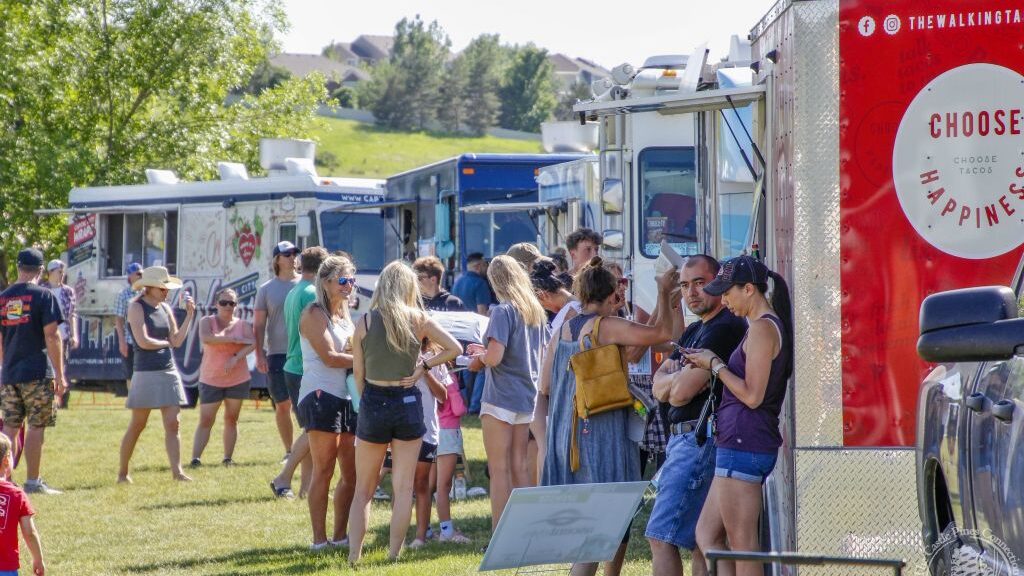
pixel 350 148
pixel 226 521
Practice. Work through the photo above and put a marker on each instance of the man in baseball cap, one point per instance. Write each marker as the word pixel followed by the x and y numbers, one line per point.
pixel 285 247
pixel 33 362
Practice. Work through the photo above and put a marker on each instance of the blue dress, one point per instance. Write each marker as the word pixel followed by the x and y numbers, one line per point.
pixel 606 452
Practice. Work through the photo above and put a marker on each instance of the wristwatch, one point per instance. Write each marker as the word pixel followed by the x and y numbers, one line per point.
pixel 716 369
pixel 426 367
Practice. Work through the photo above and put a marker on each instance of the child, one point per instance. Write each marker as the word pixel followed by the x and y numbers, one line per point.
pixel 432 387
pixel 449 447
pixel 15 509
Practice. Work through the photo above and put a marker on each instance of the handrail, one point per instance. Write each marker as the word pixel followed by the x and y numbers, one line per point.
pixel 793 558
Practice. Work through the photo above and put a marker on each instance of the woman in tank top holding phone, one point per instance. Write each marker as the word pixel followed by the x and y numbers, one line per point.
pixel 386 366
pixel 754 387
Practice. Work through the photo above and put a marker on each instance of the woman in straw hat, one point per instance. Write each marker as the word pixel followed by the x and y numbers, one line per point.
pixel 156 382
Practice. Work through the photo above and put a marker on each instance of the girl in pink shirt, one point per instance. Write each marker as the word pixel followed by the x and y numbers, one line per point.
pixel 449 448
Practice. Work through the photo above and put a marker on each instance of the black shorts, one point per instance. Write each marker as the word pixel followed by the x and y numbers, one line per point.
pixel 323 412
pixel 293 381
pixel 428 455
pixel 276 383
pixel 212 394
pixel 390 413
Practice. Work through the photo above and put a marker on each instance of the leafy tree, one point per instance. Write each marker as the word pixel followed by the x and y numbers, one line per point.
pixel 266 75
pixel 486 61
pixel 91 93
pixel 451 104
pixel 577 91
pixel 346 97
pixel 528 93
pixel 405 92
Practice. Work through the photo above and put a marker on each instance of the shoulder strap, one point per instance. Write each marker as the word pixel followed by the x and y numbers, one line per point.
pixel 592 335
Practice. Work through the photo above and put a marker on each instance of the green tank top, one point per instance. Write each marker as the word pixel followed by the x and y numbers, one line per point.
pixel 384 363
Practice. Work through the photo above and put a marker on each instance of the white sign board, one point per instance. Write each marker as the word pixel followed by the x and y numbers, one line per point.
pixel 563 524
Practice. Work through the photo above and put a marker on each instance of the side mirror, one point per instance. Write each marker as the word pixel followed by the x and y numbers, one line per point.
pixel 612 196
pixel 970 325
pixel 613 239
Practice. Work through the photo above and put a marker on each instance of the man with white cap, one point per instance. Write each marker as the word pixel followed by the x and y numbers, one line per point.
pixel 33 362
pixel 124 337
pixel 272 335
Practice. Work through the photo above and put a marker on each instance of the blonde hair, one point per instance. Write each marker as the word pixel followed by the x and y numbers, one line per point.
pixel 512 285
pixel 224 291
pixel 397 299
pixel 5 446
pixel 330 270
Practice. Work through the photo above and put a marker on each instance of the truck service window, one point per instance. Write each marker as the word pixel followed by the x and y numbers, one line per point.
pixel 495 233
pixel 150 239
pixel 668 200
pixel 733 222
pixel 358 233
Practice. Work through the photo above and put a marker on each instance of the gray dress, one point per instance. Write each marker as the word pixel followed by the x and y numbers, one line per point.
pixel 606 452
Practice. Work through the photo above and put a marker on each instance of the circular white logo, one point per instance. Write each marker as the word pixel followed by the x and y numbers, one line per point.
pixel 958 552
pixel 958 161
pixel 891 24
pixel 866 26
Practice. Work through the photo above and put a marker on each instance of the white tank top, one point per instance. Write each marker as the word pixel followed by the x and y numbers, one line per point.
pixel 315 374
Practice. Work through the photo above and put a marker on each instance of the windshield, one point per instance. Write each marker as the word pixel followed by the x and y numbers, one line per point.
pixel 494 233
pixel 361 234
pixel 668 200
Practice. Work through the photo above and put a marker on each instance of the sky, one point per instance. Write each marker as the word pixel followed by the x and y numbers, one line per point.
pixel 630 32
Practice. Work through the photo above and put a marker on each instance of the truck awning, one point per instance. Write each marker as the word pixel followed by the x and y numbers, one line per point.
pixel 368 205
pixel 127 209
pixel 511 207
pixel 675 103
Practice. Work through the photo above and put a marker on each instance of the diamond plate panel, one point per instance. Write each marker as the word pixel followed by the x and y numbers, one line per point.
pixel 858 503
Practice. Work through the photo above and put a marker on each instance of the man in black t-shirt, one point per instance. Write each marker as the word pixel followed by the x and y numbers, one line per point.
pixel 429 273
pixel 33 362
pixel 685 478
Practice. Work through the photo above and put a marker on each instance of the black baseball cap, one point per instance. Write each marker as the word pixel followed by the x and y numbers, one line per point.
pixel 30 258
pixel 739 270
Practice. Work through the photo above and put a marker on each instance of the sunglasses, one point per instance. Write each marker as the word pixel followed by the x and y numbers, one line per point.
pixel 623 281
pixel 231 303
pixel 344 281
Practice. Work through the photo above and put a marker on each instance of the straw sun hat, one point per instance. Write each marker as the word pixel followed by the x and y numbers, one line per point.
pixel 156 277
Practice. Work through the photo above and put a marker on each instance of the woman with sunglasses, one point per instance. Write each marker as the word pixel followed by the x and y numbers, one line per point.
pixel 325 330
pixel 223 373
pixel 156 383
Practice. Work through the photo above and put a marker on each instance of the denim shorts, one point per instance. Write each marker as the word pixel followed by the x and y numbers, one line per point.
pixel 751 467
pixel 323 412
pixel 683 483
pixel 293 382
pixel 276 384
pixel 389 413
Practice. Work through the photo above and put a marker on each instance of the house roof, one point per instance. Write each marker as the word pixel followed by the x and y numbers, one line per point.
pixel 343 51
pixel 370 46
pixel 563 63
pixel 302 65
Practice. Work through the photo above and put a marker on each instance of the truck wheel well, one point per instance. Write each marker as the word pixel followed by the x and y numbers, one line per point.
pixel 942 507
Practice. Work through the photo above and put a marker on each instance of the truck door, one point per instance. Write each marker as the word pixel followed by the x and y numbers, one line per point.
pixel 995 448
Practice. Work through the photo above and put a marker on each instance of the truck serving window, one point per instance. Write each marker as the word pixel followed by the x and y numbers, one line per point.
pixel 360 234
pixel 149 239
pixel 668 200
pixel 494 233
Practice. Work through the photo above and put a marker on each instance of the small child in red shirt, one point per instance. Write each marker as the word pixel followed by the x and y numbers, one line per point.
pixel 15 509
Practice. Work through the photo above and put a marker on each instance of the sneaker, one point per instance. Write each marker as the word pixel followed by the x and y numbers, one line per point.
pixel 227 462
pixel 343 543
pixel 455 537
pixel 416 544
pixel 315 547
pixel 195 463
pixel 37 486
pixel 380 494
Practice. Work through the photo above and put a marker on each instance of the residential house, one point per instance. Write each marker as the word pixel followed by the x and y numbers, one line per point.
pixel 337 73
pixel 569 71
pixel 372 49
pixel 342 52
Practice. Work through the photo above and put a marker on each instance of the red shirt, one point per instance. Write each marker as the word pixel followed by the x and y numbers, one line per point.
pixel 14 506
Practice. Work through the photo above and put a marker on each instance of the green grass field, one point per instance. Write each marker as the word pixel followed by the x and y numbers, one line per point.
pixel 350 148
pixel 226 521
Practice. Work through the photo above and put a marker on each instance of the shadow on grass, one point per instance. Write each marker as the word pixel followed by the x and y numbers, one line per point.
pixel 208 502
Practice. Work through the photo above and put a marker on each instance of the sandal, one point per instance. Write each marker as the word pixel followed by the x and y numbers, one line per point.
pixel 284 492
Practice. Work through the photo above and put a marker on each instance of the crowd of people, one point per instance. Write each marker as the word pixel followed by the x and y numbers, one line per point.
pixel 383 392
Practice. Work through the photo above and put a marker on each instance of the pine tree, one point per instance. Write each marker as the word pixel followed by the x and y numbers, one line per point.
pixel 528 93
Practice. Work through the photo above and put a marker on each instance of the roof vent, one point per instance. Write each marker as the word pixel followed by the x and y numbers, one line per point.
pixel 300 167
pixel 232 171
pixel 154 176
pixel 274 151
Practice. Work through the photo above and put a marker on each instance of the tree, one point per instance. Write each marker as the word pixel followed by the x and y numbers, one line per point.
pixel 528 93
pixel 405 92
pixel 486 61
pixel 92 93
pixel 452 103
pixel 577 92
pixel 265 76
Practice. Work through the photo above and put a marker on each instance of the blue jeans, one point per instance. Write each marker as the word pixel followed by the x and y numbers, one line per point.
pixel 475 383
pixel 683 483
pixel 751 467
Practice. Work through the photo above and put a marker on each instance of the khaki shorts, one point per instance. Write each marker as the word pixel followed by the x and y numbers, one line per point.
pixel 34 400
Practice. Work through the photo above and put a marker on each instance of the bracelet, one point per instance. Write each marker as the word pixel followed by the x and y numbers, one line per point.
pixel 426 367
pixel 716 369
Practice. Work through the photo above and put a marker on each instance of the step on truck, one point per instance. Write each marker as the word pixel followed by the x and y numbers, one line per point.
pixel 883 163
pixel 213 235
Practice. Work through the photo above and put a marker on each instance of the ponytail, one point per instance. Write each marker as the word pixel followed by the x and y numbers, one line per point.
pixel 783 306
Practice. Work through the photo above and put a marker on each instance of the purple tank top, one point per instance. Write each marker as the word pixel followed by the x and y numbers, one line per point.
pixel 754 430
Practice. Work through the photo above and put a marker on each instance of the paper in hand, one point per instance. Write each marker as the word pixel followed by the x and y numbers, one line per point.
pixel 668 259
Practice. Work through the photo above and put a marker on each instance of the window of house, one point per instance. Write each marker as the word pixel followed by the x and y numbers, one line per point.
pixel 668 200
pixel 149 239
